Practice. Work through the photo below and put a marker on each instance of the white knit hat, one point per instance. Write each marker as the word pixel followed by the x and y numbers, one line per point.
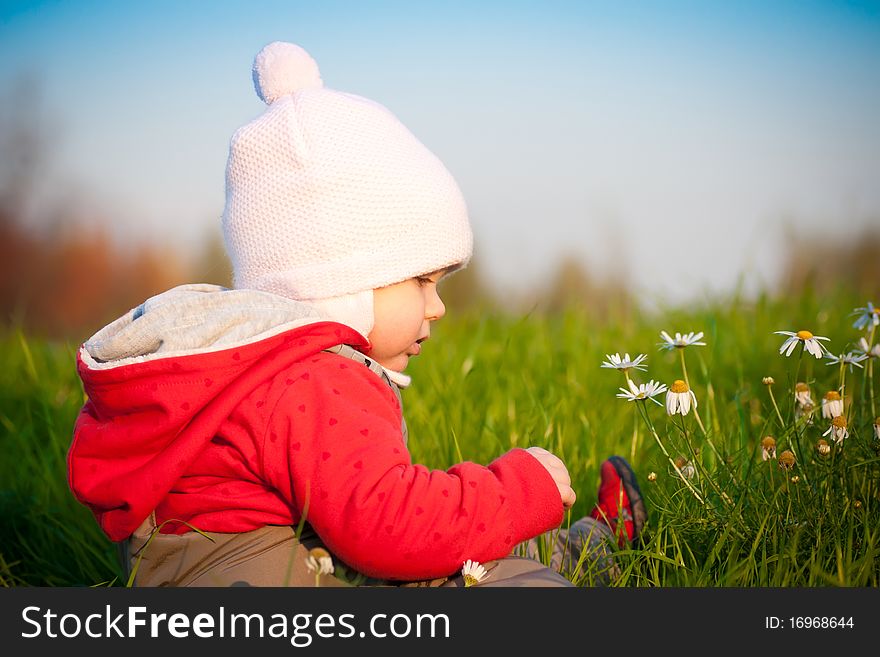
pixel 328 195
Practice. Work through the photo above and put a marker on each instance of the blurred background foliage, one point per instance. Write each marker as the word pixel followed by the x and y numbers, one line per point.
pixel 64 274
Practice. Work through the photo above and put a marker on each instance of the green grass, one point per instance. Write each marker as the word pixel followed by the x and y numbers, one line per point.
pixel 46 537
pixel 487 382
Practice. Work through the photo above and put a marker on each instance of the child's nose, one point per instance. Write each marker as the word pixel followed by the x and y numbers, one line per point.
pixel 434 308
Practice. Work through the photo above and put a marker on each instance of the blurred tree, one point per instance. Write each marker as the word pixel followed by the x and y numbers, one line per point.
pixel 822 265
pixel 573 287
pixel 58 279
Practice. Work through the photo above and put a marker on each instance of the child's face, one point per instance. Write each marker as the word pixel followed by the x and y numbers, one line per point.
pixel 402 315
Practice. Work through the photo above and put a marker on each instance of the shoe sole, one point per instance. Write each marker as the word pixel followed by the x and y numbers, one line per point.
pixel 633 493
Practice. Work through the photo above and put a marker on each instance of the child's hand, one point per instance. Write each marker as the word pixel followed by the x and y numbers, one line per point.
pixel 558 471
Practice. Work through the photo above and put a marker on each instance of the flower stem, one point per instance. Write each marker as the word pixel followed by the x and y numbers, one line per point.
pixel 683 428
pixel 684 368
pixel 665 453
pixel 635 438
pixel 788 496
pixel 797 432
pixel 871 387
pixel 778 414
pixel 687 439
pixel 870 373
pixel 843 391
pixel 684 371
pixel 699 419
pixel 797 373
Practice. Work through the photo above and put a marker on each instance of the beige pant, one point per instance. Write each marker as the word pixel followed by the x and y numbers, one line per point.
pixel 272 556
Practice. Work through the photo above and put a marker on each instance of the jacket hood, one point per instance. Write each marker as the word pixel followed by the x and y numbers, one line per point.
pixel 162 378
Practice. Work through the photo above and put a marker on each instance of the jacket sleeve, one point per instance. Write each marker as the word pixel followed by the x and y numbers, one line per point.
pixel 335 451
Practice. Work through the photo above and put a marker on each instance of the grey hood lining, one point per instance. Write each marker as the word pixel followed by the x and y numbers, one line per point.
pixel 194 319
pixel 199 318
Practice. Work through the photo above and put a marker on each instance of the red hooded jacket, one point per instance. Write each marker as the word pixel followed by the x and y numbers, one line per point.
pixel 230 439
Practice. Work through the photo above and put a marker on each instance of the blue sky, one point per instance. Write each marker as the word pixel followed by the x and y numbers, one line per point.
pixel 669 143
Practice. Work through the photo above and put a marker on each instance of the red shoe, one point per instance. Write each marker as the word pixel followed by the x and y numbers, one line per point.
pixel 620 499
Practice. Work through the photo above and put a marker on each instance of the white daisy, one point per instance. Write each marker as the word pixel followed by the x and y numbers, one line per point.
pixel 877 428
pixel 679 398
pixel 614 361
pixel 832 404
pixel 802 394
pixel 768 448
pixel 473 573
pixel 823 447
pixel 811 342
pixel 319 562
pixel 867 350
pixel 681 341
pixel 837 429
pixel 867 316
pixel 852 358
pixel 642 391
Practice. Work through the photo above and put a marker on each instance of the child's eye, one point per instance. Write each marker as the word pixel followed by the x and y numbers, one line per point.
pixel 422 280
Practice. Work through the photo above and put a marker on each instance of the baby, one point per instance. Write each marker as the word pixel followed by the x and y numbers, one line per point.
pixel 236 429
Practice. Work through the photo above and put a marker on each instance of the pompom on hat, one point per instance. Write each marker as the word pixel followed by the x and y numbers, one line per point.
pixel 329 196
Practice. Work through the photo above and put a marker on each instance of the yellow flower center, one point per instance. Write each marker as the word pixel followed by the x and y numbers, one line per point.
pixel 877 310
pixel 832 395
pixel 678 386
pixel 804 335
pixel 802 387
pixel 786 459
pixel 839 422
pixel 318 553
pixel 470 580
pixel 680 462
pixel 769 442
